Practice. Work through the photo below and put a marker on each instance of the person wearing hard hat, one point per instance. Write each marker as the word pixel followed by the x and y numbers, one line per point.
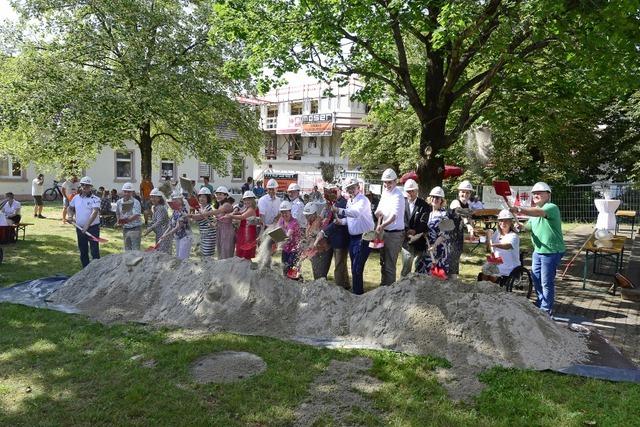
pixel 86 210
pixel 357 217
pixel 416 217
pixel 390 215
pixel 465 189
pixel 247 232
pixel 505 244
pixel 226 234
pixel 269 204
pixel 437 241
pixel 206 223
pixel 159 220
pixel 297 205
pixel 179 226
pixel 291 246
pixel 545 224
pixel 320 249
pixel 128 213
pixel 336 236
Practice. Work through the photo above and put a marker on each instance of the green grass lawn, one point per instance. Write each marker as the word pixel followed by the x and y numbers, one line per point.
pixel 59 369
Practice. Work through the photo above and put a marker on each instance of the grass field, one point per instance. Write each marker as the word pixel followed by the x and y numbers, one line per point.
pixel 59 369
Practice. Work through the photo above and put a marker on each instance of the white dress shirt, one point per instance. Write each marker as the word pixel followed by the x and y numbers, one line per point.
pixel 297 208
pixel 358 213
pixel 392 203
pixel 269 208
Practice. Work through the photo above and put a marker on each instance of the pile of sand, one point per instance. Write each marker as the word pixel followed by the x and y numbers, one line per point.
pixel 474 326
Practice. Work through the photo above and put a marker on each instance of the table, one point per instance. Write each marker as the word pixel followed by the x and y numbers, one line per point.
pixel 615 252
pixel 606 209
pixel 629 215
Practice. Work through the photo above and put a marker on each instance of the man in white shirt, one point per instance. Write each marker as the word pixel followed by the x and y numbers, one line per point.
pixel 11 209
pixel 37 188
pixel 68 188
pixel 128 212
pixel 269 204
pixel 357 217
pixel 85 207
pixel 390 214
pixel 297 205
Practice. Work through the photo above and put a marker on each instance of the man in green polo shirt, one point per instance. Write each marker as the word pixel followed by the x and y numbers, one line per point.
pixel 545 225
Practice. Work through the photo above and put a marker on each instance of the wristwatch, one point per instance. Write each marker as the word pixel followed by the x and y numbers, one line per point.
pixel 518 209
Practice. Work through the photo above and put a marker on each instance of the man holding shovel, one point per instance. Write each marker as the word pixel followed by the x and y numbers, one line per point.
pixel 128 213
pixel 86 210
pixel 390 214
pixel 546 235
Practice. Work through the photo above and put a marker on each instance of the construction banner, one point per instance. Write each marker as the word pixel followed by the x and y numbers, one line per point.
pixel 283 178
pixel 306 125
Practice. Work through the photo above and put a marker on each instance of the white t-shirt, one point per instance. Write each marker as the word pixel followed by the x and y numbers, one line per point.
pixel 510 257
pixel 297 207
pixel 269 208
pixel 84 206
pixel 11 210
pixel 70 187
pixel 392 202
pixel 37 187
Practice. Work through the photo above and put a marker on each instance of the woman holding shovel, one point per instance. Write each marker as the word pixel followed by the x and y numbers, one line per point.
pixel 159 221
pixel 179 226
pixel 226 241
pixel 504 245
pixel 247 231
pixel 207 226
pixel 291 246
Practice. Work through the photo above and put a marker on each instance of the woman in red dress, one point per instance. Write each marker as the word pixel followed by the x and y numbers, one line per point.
pixel 247 231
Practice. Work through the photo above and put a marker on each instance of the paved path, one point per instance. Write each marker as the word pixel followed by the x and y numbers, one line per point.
pixel 617 319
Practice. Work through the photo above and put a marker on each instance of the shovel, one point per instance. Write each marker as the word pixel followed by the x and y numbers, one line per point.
pixel 91 236
pixel 437 272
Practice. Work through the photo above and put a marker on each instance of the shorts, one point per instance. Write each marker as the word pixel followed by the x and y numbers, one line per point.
pixel 38 200
pixel 65 202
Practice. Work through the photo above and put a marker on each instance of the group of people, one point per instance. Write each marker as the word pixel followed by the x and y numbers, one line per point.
pixel 427 233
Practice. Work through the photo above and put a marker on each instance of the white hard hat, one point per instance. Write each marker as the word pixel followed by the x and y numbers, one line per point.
pixel 437 191
pixel 86 180
pixel 127 186
pixel 204 190
pixel 505 214
pixel 156 192
pixel 410 184
pixel 330 187
pixel 465 185
pixel 248 195
pixel 222 189
pixel 349 182
pixel 389 175
pixel 310 209
pixel 541 186
pixel 176 195
pixel 285 205
pixel 272 183
pixel 293 187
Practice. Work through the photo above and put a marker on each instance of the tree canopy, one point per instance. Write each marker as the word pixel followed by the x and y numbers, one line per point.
pixel 84 75
pixel 449 62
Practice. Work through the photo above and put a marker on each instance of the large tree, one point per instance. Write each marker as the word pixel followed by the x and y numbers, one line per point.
pixel 85 74
pixel 445 59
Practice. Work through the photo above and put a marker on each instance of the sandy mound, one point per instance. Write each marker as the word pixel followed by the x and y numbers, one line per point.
pixel 473 326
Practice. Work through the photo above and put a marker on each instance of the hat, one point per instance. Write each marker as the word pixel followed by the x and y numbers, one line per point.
pixel 176 195
pixel 389 175
pixel 541 186
pixel 330 187
pixel 156 192
pixel 505 214
pixel 272 183
pixel 310 209
pixel 349 182
pixel 248 195
pixel 285 205
pixel 293 187
pixel 204 190
pixel 222 189
pixel 410 184
pixel 127 186
pixel 437 191
pixel 465 185
pixel 86 180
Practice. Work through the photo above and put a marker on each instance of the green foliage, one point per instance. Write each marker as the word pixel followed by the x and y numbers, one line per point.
pixel 95 74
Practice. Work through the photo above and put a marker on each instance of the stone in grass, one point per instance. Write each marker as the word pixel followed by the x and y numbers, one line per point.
pixel 227 367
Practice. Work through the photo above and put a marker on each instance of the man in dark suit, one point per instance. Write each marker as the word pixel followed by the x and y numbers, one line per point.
pixel 416 217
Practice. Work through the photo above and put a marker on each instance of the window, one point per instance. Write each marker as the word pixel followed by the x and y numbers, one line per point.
pixel 272 111
pixel 313 142
pixel 168 168
pixel 314 106
pixel 295 148
pixel 10 168
pixel 237 169
pixel 205 169
pixel 296 108
pixel 124 164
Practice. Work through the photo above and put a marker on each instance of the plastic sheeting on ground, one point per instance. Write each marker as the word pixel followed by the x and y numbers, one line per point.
pixel 35 293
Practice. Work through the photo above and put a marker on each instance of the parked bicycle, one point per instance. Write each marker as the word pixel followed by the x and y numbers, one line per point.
pixel 53 193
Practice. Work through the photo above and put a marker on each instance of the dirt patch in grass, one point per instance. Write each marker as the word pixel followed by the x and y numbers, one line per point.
pixel 227 367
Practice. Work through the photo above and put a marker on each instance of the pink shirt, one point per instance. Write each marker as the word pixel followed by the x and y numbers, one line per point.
pixel 292 229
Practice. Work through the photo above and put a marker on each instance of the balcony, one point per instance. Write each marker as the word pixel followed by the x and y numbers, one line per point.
pixel 270 153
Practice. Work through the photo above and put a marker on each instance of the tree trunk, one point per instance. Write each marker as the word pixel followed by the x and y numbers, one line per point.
pixel 145 149
pixel 430 168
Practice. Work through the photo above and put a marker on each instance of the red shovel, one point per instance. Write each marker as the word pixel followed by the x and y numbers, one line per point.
pixel 502 189
pixel 438 273
pixel 91 236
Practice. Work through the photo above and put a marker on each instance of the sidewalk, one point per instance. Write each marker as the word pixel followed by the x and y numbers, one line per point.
pixel 617 319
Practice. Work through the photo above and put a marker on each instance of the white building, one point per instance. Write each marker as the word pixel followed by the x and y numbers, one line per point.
pixel 303 124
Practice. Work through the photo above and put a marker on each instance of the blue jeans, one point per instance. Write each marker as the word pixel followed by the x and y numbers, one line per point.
pixel 358 252
pixel 84 243
pixel 543 273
